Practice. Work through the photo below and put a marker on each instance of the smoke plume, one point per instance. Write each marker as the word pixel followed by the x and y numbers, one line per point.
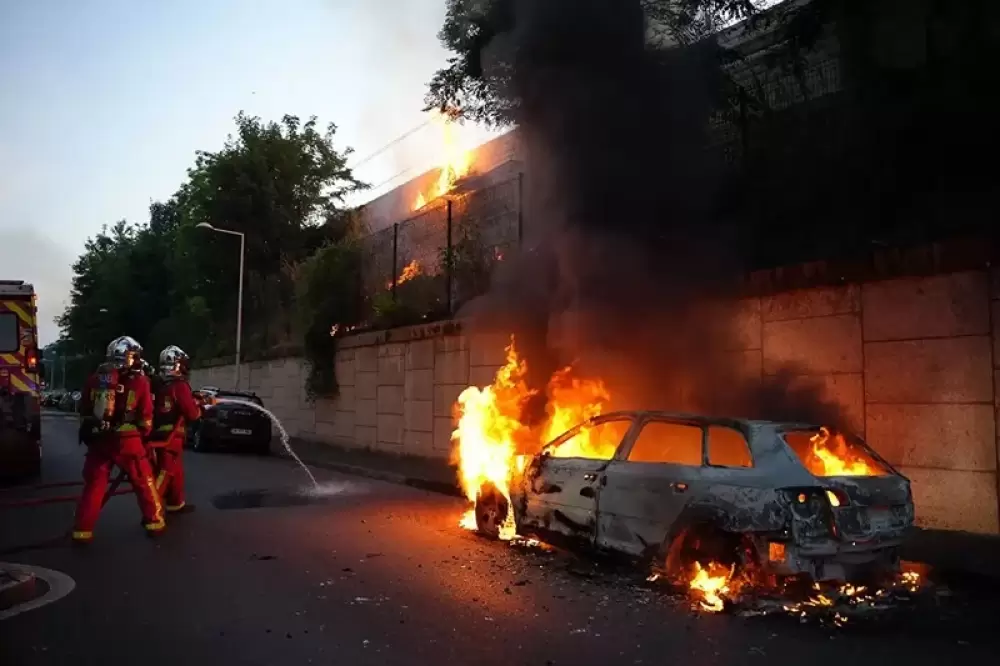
pixel 622 239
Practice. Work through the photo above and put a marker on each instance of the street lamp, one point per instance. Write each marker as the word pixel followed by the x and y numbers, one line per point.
pixel 239 297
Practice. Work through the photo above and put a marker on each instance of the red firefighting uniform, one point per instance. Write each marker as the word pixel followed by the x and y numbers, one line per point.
pixel 120 444
pixel 174 407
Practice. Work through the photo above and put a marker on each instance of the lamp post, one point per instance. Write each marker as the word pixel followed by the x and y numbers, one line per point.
pixel 239 297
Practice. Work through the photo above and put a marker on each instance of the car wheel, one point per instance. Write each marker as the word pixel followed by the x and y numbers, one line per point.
pixel 491 511
pixel 199 444
pixel 705 543
pixel 263 448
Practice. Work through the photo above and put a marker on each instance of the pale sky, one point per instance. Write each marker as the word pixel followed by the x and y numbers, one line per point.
pixel 103 104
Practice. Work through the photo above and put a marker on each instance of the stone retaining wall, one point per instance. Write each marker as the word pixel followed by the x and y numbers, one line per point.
pixel 913 361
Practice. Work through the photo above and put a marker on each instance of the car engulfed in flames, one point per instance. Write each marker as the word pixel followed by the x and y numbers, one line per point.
pixel 712 502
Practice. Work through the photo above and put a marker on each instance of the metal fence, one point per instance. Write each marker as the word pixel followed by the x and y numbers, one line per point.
pixel 428 265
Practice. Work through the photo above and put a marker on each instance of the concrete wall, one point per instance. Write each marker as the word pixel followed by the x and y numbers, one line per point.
pixel 915 363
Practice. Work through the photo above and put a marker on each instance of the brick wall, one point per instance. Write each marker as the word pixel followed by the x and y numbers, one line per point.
pixel 914 362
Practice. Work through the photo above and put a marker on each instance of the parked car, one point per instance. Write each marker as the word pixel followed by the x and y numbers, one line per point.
pixel 51 398
pixel 783 499
pixel 230 423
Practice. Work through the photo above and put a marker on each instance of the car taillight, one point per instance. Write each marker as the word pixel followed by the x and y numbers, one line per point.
pixel 805 501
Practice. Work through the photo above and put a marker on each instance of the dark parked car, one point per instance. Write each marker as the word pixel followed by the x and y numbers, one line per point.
pixel 230 423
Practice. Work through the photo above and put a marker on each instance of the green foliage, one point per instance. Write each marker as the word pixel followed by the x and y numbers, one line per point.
pixel 328 301
pixel 418 299
pixel 471 263
pixel 282 184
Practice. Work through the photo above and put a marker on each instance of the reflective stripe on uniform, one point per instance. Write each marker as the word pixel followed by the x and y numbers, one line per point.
pixel 176 507
pixel 155 527
pixel 158 506
pixel 82 535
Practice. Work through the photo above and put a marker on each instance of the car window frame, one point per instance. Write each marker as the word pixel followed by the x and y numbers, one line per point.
pixel 545 453
pixel 652 418
pixel 706 447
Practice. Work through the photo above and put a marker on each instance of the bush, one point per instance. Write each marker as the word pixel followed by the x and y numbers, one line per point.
pixel 328 297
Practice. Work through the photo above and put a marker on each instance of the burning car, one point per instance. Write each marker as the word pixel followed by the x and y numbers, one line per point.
pixel 677 490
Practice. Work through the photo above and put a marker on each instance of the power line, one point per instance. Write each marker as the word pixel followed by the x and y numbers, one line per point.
pixel 389 180
pixel 392 143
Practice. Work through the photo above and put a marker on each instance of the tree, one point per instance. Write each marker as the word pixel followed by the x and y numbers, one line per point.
pixel 477 82
pixel 278 183
pixel 169 282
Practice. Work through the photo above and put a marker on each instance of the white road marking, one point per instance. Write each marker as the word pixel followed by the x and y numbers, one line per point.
pixel 59 586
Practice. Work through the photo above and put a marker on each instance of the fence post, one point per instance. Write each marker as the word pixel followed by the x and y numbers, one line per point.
pixel 448 269
pixel 395 258
pixel 520 209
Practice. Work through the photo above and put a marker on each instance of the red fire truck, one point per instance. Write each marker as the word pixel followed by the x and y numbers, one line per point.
pixel 20 382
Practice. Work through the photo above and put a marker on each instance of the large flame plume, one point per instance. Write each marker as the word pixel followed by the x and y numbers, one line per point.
pixel 456 162
pixel 493 444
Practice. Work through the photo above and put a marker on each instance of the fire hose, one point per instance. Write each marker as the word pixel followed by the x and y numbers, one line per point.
pixel 61 499
pixel 39 501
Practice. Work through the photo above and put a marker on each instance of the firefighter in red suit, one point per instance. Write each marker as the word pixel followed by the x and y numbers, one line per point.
pixel 117 410
pixel 174 406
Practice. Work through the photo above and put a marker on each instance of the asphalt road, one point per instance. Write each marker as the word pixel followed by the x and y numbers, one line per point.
pixel 380 574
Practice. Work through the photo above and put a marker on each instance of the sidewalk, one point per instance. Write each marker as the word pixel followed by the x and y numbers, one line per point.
pixel 949 553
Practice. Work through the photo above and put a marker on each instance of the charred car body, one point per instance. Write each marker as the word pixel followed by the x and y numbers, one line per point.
pixel 673 489
pixel 230 423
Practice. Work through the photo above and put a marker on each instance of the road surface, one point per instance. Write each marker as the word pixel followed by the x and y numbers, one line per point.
pixel 380 574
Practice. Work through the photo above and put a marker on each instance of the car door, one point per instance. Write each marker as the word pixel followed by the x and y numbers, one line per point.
pixel 562 482
pixel 649 483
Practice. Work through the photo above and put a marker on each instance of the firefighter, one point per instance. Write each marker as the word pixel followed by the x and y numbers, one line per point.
pixel 174 406
pixel 117 407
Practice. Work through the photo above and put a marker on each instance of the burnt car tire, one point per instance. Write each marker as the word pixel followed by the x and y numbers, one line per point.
pixel 491 511
pixel 263 448
pixel 200 443
pixel 705 543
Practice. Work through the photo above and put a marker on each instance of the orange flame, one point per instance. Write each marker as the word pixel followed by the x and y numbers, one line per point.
pixel 456 163
pixel 493 445
pixel 711 583
pixel 831 456
pixel 410 271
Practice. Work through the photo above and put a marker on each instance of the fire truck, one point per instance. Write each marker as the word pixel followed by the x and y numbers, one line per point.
pixel 20 382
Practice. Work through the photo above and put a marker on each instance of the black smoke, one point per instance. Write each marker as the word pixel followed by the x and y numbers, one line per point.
pixel 623 239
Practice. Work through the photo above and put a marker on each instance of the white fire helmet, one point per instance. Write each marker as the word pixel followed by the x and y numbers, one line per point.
pixel 124 352
pixel 174 361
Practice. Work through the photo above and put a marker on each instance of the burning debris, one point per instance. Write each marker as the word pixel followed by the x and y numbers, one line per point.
pixel 714 588
pixel 711 583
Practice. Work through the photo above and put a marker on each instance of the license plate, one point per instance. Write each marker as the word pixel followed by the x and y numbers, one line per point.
pixel 240 431
pixel 880 519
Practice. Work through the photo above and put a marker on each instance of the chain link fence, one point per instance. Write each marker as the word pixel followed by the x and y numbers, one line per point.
pixel 428 265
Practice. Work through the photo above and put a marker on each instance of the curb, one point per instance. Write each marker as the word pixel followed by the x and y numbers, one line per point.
pixel 59 415
pixel 16 586
pixel 440 487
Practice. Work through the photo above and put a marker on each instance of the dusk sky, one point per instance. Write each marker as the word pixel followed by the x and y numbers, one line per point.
pixel 103 104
